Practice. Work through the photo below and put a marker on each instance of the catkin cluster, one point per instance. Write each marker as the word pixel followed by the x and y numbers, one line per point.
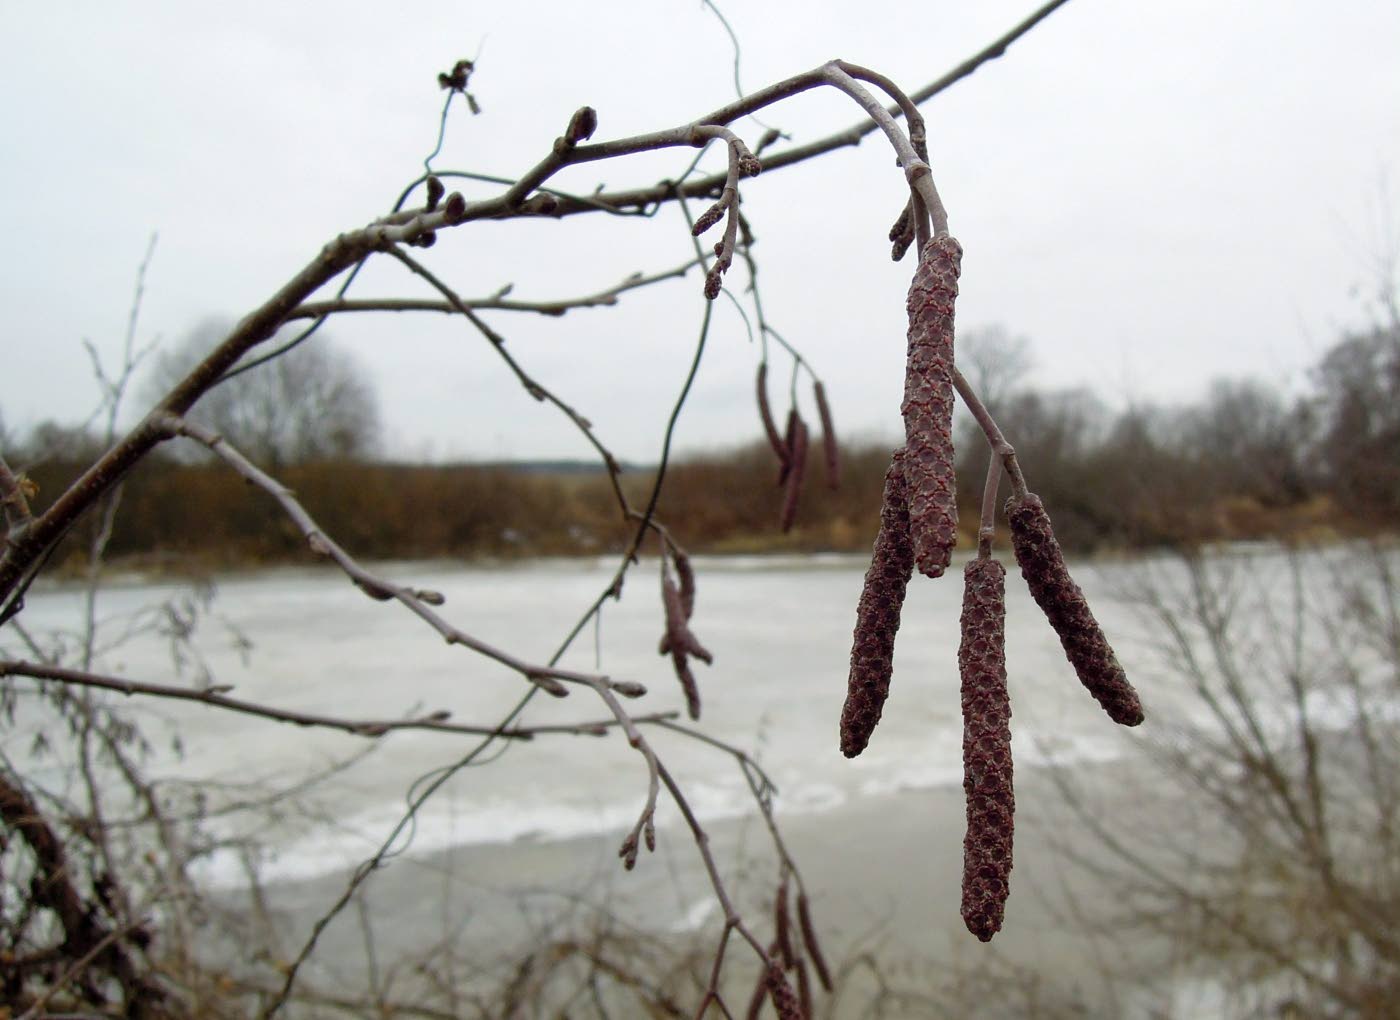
pixel 928 405
pixel 986 711
pixel 791 446
pixel 918 527
pixel 1062 601
pixel 678 603
pixel 877 615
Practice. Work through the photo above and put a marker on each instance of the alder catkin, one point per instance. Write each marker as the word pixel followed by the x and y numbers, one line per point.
pixel 797 469
pixel 783 925
pixel 770 427
pixel 809 939
pixel 986 710
pixel 877 615
pixel 804 989
pixel 1062 601
pixel 928 405
pixel 784 998
pixel 829 447
pixel 788 432
pixel 681 643
pixel 686 573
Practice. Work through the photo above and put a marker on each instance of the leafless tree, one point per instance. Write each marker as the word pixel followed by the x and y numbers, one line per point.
pixel 313 403
pixel 1258 834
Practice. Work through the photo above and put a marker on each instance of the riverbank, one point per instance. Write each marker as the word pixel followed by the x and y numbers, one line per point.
pixel 883 875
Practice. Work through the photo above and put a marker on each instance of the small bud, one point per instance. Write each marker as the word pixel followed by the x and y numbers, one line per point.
pixel 708 219
pixel 540 204
pixel 549 685
pixel 629 688
pixel 455 209
pixel 457 78
pixel 435 192
pixel 628 851
pixel 749 166
pixel 903 223
pixel 903 233
pixel 582 125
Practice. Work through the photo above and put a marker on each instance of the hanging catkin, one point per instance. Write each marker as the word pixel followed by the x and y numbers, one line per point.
pixel 770 427
pixel 877 615
pixel 830 449
pixel 809 939
pixel 797 470
pixel 680 643
pixel 686 573
pixel 986 710
pixel 928 405
pixel 785 462
pixel 1062 601
pixel 785 1002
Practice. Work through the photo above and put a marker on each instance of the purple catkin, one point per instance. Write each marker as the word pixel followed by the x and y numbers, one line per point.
pixel 829 447
pixel 1062 601
pixel 928 405
pixel 877 615
pixel 789 431
pixel 770 427
pixel 797 469
pixel 903 233
pixel 986 710
pixel 708 219
pixel 809 939
pixel 804 989
pixel 782 924
pixel 686 574
pixel 784 998
pixel 681 643
pixel 688 684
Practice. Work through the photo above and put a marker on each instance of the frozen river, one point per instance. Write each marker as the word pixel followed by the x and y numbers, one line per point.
pixel 780 631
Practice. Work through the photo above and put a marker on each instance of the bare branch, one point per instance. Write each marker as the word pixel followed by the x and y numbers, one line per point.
pixel 420 603
pixel 217 697
pixel 608 297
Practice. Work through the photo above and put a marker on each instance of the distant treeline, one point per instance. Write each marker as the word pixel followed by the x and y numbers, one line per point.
pixel 1246 462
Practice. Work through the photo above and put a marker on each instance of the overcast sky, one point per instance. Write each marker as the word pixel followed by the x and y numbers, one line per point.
pixel 1156 194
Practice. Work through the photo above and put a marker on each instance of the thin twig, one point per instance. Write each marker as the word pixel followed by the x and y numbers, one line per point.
pixel 373 728
pixel 420 603
pixel 559 307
